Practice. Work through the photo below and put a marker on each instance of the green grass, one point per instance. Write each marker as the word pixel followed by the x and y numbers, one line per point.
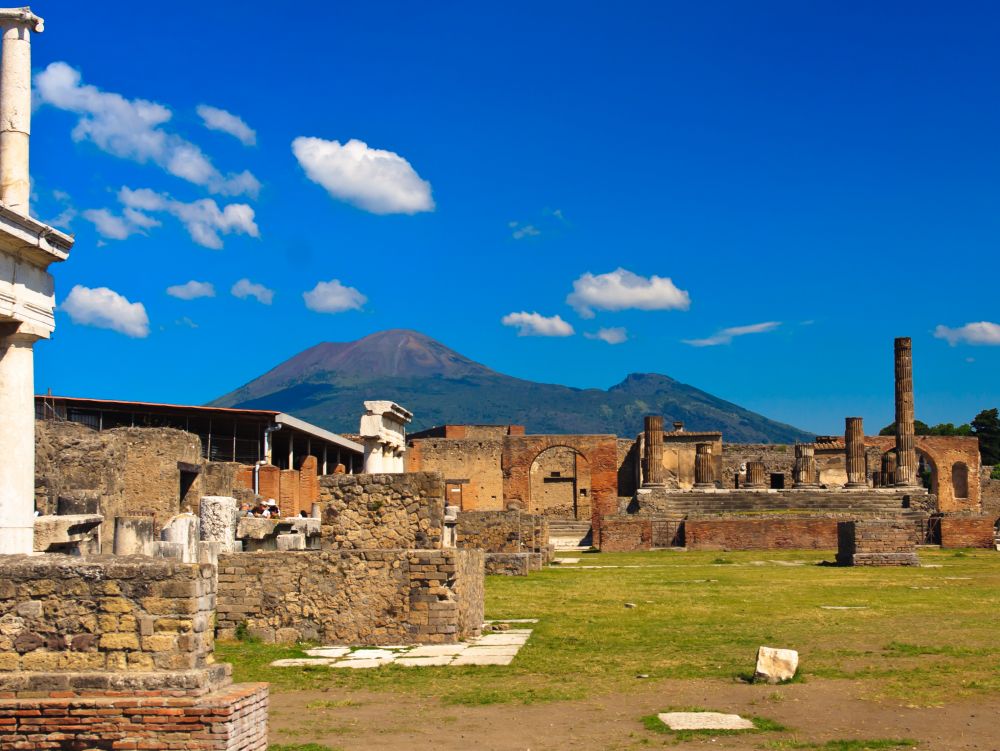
pixel 877 744
pixel 927 635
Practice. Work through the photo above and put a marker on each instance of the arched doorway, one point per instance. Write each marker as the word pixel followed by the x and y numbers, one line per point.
pixel 960 480
pixel 560 484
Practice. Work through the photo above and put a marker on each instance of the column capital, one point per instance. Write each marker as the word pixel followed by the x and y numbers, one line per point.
pixel 11 17
pixel 20 334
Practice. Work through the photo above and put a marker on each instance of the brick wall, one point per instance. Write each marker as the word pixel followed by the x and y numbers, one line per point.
pixel 352 596
pixel 231 719
pixel 876 542
pixel 475 462
pixel 760 534
pixel 622 534
pixel 967 531
pixel 64 615
pixel 383 511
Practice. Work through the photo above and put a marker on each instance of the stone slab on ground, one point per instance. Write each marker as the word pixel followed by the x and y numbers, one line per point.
pixel 328 651
pixel 357 664
pixel 436 650
pixel 416 662
pixel 467 659
pixel 561 561
pixel 301 662
pixel 704 721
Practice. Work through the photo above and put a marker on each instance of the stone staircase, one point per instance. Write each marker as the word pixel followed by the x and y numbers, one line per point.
pixel 570 534
pixel 709 504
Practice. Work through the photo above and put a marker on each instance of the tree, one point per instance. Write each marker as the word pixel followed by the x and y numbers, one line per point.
pixel 986 427
pixel 922 428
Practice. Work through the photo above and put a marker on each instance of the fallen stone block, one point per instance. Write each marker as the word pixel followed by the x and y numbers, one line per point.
pixel 704 721
pixel 776 665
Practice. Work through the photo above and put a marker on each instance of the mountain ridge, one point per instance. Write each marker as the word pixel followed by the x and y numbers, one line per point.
pixel 327 382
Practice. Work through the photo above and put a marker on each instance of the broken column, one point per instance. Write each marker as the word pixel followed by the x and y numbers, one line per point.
pixel 133 535
pixel 888 469
pixel 653 439
pixel 27 247
pixel 854 443
pixel 804 469
pixel 704 470
pixel 906 454
pixel 756 477
pixel 182 530
pixel 383 430
pixel 218 516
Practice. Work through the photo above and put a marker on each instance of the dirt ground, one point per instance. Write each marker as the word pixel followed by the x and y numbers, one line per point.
pixel 815 712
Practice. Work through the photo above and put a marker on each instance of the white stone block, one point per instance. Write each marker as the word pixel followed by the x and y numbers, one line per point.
pixel 704 721
pixel 776 665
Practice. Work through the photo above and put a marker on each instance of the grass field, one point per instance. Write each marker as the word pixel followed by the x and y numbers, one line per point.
pixel 920 636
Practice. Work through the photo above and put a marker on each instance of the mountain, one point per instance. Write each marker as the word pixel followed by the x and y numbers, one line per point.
pixel 327 383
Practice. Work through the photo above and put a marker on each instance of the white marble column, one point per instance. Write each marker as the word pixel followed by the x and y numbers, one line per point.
pixel 17 443
pixel 15 106
pixel 373 456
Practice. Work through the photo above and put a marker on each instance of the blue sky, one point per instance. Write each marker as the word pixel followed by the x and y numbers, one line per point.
pixel 785 187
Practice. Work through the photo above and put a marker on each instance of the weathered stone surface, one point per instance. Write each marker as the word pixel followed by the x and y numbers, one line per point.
pixel 704 721
pixel 218 516
pixel 776 665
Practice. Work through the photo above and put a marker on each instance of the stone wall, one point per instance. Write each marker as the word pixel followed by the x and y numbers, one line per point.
pixel 130 471
pixel 492 531
pixel 623 534
pixel 874 542
pixel 231 719
pixel 775 533
pixel 471 467
pixel 777 458
pixel 383 511
pixel 352 596
pixel 967 531
pixel 989 492
pixel 72 618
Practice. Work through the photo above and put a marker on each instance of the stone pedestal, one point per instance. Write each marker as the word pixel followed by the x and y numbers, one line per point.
pixel 653 441
pixel 704 470
pixel 184 530
pixel 804 469
pixel 756 476
pixel 854 442
pixel 218 517
pixel 906 454
pixel 134 535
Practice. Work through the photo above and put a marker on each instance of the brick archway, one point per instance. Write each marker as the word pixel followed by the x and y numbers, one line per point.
pixel 600 452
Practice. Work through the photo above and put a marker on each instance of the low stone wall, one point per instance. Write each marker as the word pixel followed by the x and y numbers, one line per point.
pixel 775 533
pixel 878 542
pixel 231 719
pixel 492 531
pixel 69 617
pixel 967 531
pixel 352 596
pixel 624 533
pixel 391 512
pixel 513 564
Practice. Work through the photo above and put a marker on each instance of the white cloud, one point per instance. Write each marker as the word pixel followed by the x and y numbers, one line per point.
pixel 106 309
pixel 727 335
pixel 227 122
pixel 615 335
pixel 333 297
pixel 372 179
pixel 981 333
pixel 621 289
pixel 244 288
pixel 535 324
pixel 131 129
pixel 109 225
pixel 203 218
pixel 191 290
pixel 520 231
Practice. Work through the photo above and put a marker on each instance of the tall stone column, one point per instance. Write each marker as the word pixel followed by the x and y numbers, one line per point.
pixel 804 469
pixel 906 454
pixel 756 477
pixel 854 443
pixel 704 469
pixel 653 429
pixel 17 443
pixel 888 469
pixel 15 105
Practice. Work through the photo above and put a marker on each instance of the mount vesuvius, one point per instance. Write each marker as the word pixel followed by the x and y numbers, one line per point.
pixel 327 383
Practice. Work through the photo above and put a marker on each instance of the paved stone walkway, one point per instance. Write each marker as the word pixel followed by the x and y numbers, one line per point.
pixel 492 648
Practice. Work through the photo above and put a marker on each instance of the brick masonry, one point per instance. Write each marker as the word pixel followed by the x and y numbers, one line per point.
pixel 383 511
pixel 967 531
pixel 761 534
pixel 230 719
pixel 352 596
pixel 876 542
